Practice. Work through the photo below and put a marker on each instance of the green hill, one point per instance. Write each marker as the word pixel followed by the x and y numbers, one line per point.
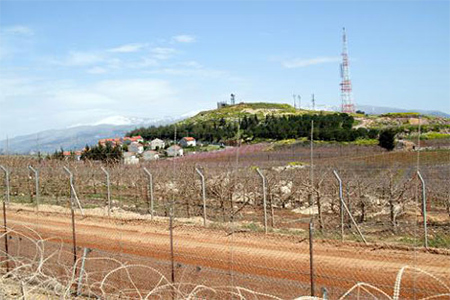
pixel 238 111
pixel 274 121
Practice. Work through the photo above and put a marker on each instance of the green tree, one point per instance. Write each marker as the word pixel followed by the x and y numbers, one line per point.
pixel 387 139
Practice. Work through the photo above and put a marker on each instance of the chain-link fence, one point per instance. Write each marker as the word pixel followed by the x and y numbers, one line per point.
pixel 247 224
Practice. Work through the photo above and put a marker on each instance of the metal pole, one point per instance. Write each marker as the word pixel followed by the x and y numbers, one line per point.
pixel 74 237
pixel 348 211
pixel 424 209
pixel 311 175
pixel 341 211
pixel 203 194
pixel 150 188
pixel 108 186
pixel 83 261
pixel 172 256
pixel 4 216
pixel 8 193
pixel 36 178
pixel 73 192
pixel 264 198
pixel 311 257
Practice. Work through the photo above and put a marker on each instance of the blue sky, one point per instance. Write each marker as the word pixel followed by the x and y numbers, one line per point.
pixel 77 62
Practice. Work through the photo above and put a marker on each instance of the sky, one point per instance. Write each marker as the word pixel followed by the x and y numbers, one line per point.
pixel 77 62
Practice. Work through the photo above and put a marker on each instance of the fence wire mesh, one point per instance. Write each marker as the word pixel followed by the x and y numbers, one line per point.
pixel 132 256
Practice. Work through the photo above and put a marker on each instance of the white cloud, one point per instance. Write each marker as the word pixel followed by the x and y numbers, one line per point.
pixel 17 30
pixel 97 70
pixel 128 48
pixel 301 63
pixel 78 59
pixel 129 92
pixel 162 53
pixel 184 38
pixel 144 62
pixel 15 40
pixel 80 98
pixel 192 64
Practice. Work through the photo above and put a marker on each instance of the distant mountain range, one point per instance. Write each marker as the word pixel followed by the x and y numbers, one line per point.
pixel 77 136
pixel 378 110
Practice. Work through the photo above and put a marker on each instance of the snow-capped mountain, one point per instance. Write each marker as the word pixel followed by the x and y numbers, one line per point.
pixel 77 136
pixel 122 120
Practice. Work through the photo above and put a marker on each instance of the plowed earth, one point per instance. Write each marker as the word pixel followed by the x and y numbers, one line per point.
pixel 272 264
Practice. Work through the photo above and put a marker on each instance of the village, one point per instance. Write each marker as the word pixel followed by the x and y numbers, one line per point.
pixel 136 149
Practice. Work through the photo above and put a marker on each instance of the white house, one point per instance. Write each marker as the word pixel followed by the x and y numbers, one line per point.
pixel 157 144
pixel 135 147
pixel 174 150
pixel 188 141
pixel 129 158
pixel 150 155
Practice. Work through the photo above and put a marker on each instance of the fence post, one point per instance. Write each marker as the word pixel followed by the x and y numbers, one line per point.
pixel 348 211
pixel 264 197
pixel 7 184
pixel 74 237
pixel 311 257
pixel 108 187
pixel 150 188
pixel 36 179
pixel 341 201
pixel 80 278
pixel 73 192
pixel 172 255
pixel 424 209
pixel 4 215
pixel 203 194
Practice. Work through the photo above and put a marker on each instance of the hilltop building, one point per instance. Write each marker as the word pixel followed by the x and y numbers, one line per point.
pixel 222 104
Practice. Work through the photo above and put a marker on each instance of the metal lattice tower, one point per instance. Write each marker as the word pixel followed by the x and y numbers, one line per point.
pixel 346 85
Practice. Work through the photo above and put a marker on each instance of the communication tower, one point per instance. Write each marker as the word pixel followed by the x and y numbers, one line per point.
pixel 346 85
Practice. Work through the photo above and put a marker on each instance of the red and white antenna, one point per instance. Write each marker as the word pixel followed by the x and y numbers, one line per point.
pixel 346 85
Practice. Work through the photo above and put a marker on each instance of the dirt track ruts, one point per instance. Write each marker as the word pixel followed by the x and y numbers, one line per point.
pixel 273 256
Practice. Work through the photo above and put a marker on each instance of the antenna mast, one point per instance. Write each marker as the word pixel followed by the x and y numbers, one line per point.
pixel 313 101
pixel 346 85
pixel 294 96
pixel 299 102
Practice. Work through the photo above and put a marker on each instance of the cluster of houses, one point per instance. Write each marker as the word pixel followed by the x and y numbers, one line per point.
pixel 155 149
pixel 137 149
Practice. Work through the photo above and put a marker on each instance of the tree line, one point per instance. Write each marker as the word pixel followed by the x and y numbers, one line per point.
pixel 106 153
pixel 329 127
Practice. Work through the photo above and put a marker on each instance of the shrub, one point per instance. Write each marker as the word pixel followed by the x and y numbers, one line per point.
pixel 386 139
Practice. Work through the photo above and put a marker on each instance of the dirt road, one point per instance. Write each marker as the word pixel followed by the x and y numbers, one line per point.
pixel 256 260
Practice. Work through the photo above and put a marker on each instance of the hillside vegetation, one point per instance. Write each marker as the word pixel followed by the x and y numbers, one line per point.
pixel 274 121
